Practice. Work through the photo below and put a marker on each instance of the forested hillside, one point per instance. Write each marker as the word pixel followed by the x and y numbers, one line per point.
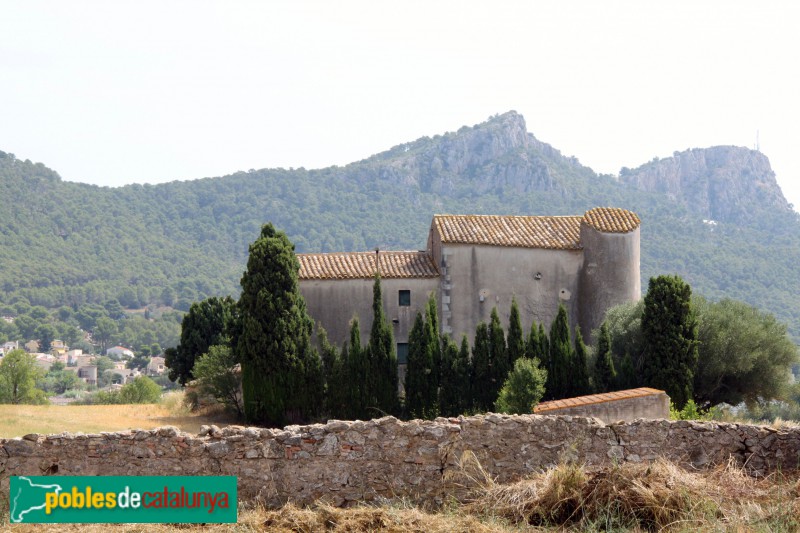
pixel 67 244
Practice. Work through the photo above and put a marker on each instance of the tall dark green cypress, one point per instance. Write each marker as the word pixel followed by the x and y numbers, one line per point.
pixel 434 341
pixel 604 373
pixel 532 344
pixel 560 356
pixel 516 342
pixel 544 349
pixel 383 357
pixel 669 328
pixel 273 335
pixel 338 389
pixel 462 373
pixel 448 390
pixel 498 355
pixel 358 374
pixel 481 382
pixel 422 399
pixel 579 376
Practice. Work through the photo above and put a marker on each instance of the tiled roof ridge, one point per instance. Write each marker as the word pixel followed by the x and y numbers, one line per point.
pixel 593 399
pixel 560 232
pixel 361 265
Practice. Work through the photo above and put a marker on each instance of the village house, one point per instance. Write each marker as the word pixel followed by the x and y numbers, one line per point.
pixel 473 263
pixel 120 351
pixel 155 367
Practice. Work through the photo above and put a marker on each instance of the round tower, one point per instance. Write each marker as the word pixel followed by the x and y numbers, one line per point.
pixel 611 256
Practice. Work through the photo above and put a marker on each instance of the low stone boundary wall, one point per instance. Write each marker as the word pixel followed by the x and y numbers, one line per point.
pixel 344 462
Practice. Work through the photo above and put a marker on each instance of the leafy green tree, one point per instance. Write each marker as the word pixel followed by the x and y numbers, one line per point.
pixel 273 338
pixel 498 355
pixel 481 369
pixel 523 388
pixel 579 373
pixel 219 375
pixel 745 355
pixel 46 334
pixel 140 390
pixel 18 374
pixel 561 355
pixel 383 367
pixel 205 325
pixel 104 331
pixel 669 327
pixel 604 373
pixel 515 341
pixel 58 380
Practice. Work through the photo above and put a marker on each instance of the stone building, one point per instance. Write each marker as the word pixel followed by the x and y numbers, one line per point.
pixel 476 262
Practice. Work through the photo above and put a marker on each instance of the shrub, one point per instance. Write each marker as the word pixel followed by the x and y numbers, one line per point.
pixel 523 389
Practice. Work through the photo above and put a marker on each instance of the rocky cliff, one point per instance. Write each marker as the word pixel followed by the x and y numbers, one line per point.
pixel 494 156
pixel 723 183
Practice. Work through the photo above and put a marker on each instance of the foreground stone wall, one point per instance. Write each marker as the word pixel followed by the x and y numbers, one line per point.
pixel 348 461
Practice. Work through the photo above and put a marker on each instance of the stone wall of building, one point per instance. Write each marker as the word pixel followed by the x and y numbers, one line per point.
pixel 349 461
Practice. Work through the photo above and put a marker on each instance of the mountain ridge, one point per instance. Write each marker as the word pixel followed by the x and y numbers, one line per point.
pixel 67 243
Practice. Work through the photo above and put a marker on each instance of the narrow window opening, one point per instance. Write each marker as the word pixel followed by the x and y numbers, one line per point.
pixel 404 297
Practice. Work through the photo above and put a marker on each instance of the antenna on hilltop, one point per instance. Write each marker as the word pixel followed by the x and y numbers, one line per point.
pixel 758 144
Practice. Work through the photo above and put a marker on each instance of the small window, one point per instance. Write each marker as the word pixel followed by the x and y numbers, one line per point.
pixel 402 353
pixel 405 298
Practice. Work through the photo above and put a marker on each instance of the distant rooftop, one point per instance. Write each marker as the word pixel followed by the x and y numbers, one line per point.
pixel 578 401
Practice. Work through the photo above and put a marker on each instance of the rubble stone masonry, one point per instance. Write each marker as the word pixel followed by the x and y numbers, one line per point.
pixel 344 462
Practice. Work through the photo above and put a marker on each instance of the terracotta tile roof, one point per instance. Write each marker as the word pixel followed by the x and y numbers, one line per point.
pixel 361 265
pixel 611 219
pixel 595 398
pixel 561 233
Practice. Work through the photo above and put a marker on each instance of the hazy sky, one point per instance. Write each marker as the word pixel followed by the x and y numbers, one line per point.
pixel 150 91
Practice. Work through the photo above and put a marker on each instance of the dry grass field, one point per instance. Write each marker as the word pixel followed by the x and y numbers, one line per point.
pixel 19 420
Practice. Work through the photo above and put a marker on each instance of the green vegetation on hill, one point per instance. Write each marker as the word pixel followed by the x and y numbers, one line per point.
pixel 68 244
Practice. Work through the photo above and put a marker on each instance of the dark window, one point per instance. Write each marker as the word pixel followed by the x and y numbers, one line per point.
pixel 402 353
pixel 405 298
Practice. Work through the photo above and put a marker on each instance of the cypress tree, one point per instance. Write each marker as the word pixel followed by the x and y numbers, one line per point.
pixel 626 377
pixel 516 342
pixel 544 349
pixel 448 389
pixel 462 371
pixel 481 382
pixel 383 357
pixel 338 392
pixel 533 344
pixel 669 328
pixel 421 397
pixel 273 335
pixel 358 373
pixel 604 373
pixel 560 356
pixel 434 341
pixel 498 355
pixel 579 376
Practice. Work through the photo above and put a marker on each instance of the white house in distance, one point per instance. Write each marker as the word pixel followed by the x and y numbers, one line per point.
pixel 120 351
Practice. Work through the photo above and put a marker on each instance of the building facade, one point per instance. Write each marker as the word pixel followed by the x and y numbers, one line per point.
pixel 474 263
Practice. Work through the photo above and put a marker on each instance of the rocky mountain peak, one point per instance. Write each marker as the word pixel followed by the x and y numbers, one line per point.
pixel 496 155
pixel 724 183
